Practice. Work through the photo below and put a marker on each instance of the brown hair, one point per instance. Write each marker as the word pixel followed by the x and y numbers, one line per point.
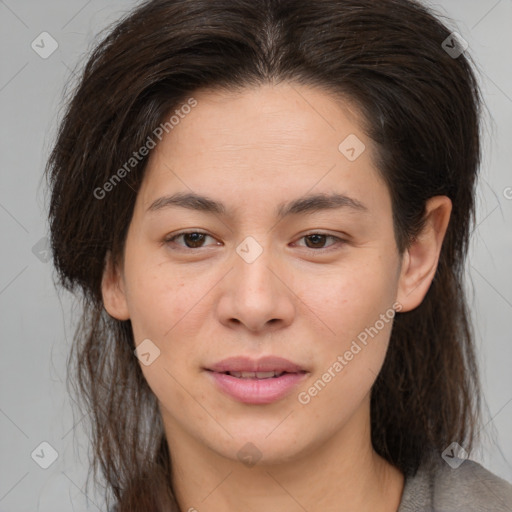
pixel 421 107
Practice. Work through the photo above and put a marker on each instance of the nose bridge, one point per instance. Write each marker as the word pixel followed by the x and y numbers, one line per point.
pixel 256 294
pixel 252 265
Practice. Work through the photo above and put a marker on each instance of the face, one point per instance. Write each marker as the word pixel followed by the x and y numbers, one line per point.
pixel 291 256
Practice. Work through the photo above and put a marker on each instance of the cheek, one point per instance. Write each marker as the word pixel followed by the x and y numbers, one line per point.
pixel 356 305
pixel 157 299
pixel 349 365
pixel 160 307
pixel 351 299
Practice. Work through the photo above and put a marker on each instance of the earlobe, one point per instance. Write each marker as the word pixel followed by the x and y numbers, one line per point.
pixel 112 289
pixel 421 258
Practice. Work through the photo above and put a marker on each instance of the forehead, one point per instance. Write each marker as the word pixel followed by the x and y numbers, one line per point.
pixel 280 141
pixel 267 116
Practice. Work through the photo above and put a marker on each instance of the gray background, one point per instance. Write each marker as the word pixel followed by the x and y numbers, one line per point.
pixel 35 320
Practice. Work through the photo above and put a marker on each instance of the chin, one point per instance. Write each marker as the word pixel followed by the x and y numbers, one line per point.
pixel 252 446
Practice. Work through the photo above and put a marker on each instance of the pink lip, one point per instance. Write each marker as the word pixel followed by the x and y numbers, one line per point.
pixel 264 364
pixel 254 390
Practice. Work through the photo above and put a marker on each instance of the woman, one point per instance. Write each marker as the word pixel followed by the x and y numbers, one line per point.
pixel 266 207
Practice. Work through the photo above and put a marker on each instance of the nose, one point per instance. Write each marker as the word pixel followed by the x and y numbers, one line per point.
pixel 256 294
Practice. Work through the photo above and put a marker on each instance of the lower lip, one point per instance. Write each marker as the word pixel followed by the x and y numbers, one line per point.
pixel 257 391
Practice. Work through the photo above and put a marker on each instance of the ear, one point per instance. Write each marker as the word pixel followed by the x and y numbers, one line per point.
pixel 420 260
pixel 113 291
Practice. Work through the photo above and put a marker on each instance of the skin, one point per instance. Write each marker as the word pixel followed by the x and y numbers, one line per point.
pixel 302 299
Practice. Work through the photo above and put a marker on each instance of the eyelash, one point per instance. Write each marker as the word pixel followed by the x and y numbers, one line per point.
pixel 172 238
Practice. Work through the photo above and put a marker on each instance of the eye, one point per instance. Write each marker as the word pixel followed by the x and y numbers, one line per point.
pixel 196 239
pixel 192 239
pixel 318 240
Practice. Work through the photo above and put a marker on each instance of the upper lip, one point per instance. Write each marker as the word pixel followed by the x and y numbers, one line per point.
pixel 264 364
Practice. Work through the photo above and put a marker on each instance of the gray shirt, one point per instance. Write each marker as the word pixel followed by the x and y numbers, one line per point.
pixel 437 487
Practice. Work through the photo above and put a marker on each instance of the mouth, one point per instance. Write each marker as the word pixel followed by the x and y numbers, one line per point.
pixel 261 381
pixel 256 375
pixel 242 366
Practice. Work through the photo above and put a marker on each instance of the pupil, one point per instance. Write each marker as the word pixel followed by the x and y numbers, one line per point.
pixel 317 239
pixel 197 238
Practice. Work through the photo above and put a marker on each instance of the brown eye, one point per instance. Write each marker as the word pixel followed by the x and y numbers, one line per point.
pixel 318 240
pixel 191 239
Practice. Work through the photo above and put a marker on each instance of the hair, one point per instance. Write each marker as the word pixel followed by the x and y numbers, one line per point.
pixel 420 106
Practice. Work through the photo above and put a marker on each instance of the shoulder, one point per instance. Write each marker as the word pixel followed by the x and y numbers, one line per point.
pixel 437 487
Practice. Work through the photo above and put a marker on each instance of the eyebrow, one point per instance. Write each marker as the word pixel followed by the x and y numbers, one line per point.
pixel 302 205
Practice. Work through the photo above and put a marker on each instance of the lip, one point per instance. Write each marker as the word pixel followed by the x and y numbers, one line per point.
pixel 264 364
pixel 256 390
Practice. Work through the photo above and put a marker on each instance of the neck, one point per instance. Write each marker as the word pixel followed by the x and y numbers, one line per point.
pixel 341 473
